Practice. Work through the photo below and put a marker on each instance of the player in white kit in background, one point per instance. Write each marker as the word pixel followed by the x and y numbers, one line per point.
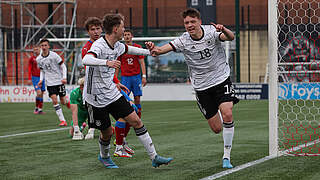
pixel 102 96
pixel 54 71
pixel 209 72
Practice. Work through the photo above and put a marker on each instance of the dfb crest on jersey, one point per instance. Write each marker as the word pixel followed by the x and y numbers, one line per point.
pixel 98 123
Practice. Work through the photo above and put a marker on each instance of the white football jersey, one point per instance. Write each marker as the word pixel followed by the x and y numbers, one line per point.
pixel 50 65
pixel 206 58
pixel 99 89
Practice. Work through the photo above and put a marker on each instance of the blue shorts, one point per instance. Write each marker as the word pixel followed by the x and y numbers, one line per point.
pixel 133 83
pixel 35 81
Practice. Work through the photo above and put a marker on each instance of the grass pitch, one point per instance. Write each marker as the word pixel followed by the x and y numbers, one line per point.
pixel 178 130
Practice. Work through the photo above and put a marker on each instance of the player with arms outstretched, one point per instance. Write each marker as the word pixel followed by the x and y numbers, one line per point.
pixel 54 71
pixel 34 77
pixel 102 96
pixel 209 72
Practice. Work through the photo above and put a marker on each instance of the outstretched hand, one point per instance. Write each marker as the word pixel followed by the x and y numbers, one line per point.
pixel 219 27
pixel 152 48
pixel 149 45
pixel 155 51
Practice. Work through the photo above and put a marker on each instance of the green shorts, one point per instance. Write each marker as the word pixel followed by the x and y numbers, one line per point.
pixel 82 117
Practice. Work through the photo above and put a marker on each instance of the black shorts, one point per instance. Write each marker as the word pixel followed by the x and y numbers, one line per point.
pixel 57 90
pixel 210 99
pixel 99 117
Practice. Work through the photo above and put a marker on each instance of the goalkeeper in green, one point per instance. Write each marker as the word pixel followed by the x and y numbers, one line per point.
pixel 79 113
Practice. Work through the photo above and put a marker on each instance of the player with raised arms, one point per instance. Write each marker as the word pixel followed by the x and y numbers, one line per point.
pixel 102 96
pixel 209 72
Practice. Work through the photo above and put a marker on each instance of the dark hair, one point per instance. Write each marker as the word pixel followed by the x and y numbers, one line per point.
pixel 44 40
pixel 110 21
pixel 129 30
pixel 92 21
pixel 191 12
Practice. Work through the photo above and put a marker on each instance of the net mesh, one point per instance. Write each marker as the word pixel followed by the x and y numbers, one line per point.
pixel 299 76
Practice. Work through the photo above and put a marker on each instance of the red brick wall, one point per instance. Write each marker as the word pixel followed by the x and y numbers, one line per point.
pixel 169 11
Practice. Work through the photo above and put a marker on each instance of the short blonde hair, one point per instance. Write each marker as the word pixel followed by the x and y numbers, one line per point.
pixel 81 81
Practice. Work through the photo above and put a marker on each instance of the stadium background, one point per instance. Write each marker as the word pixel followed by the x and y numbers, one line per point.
pixel 32 148
pixel 161 18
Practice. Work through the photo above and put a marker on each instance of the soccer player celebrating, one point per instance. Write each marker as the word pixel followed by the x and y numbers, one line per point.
pixel 53 70
pixel 102 96
pixel 209 73
pixel 34 77
pixel 130 77
pixel 94 29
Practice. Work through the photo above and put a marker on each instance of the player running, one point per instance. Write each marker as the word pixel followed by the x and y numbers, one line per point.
pixel 54 71
pixel 209 72
pixel 34 77
pixel 102 96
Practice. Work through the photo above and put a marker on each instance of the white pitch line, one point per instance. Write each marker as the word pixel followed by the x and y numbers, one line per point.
pixel 238 168
pixel 34 132
pixel 252 163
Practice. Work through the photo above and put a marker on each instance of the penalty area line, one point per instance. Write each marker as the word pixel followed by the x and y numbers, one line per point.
pixel 35 132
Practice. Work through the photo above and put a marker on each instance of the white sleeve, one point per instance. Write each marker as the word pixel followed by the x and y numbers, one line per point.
pixel 41 75
pixel 64 70
pixel 178 44
pixel 138 51
pixel 58 58
pixel 90 60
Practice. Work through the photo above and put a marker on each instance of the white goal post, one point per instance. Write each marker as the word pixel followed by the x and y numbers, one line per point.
pixel 294 77
pixel 273 86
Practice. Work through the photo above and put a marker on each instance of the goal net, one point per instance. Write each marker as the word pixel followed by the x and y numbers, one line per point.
pixel 294 58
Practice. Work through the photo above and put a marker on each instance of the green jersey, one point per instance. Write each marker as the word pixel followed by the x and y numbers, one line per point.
pixel 76 98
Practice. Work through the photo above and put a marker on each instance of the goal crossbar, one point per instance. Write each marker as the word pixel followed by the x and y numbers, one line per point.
pixel 133 39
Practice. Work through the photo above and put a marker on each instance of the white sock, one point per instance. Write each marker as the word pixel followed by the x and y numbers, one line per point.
pixel 104 148
pixel 76 128
pixel 228 131
pixel 59 112
pixel 146 140
pixel 118 147
pixel 91 131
